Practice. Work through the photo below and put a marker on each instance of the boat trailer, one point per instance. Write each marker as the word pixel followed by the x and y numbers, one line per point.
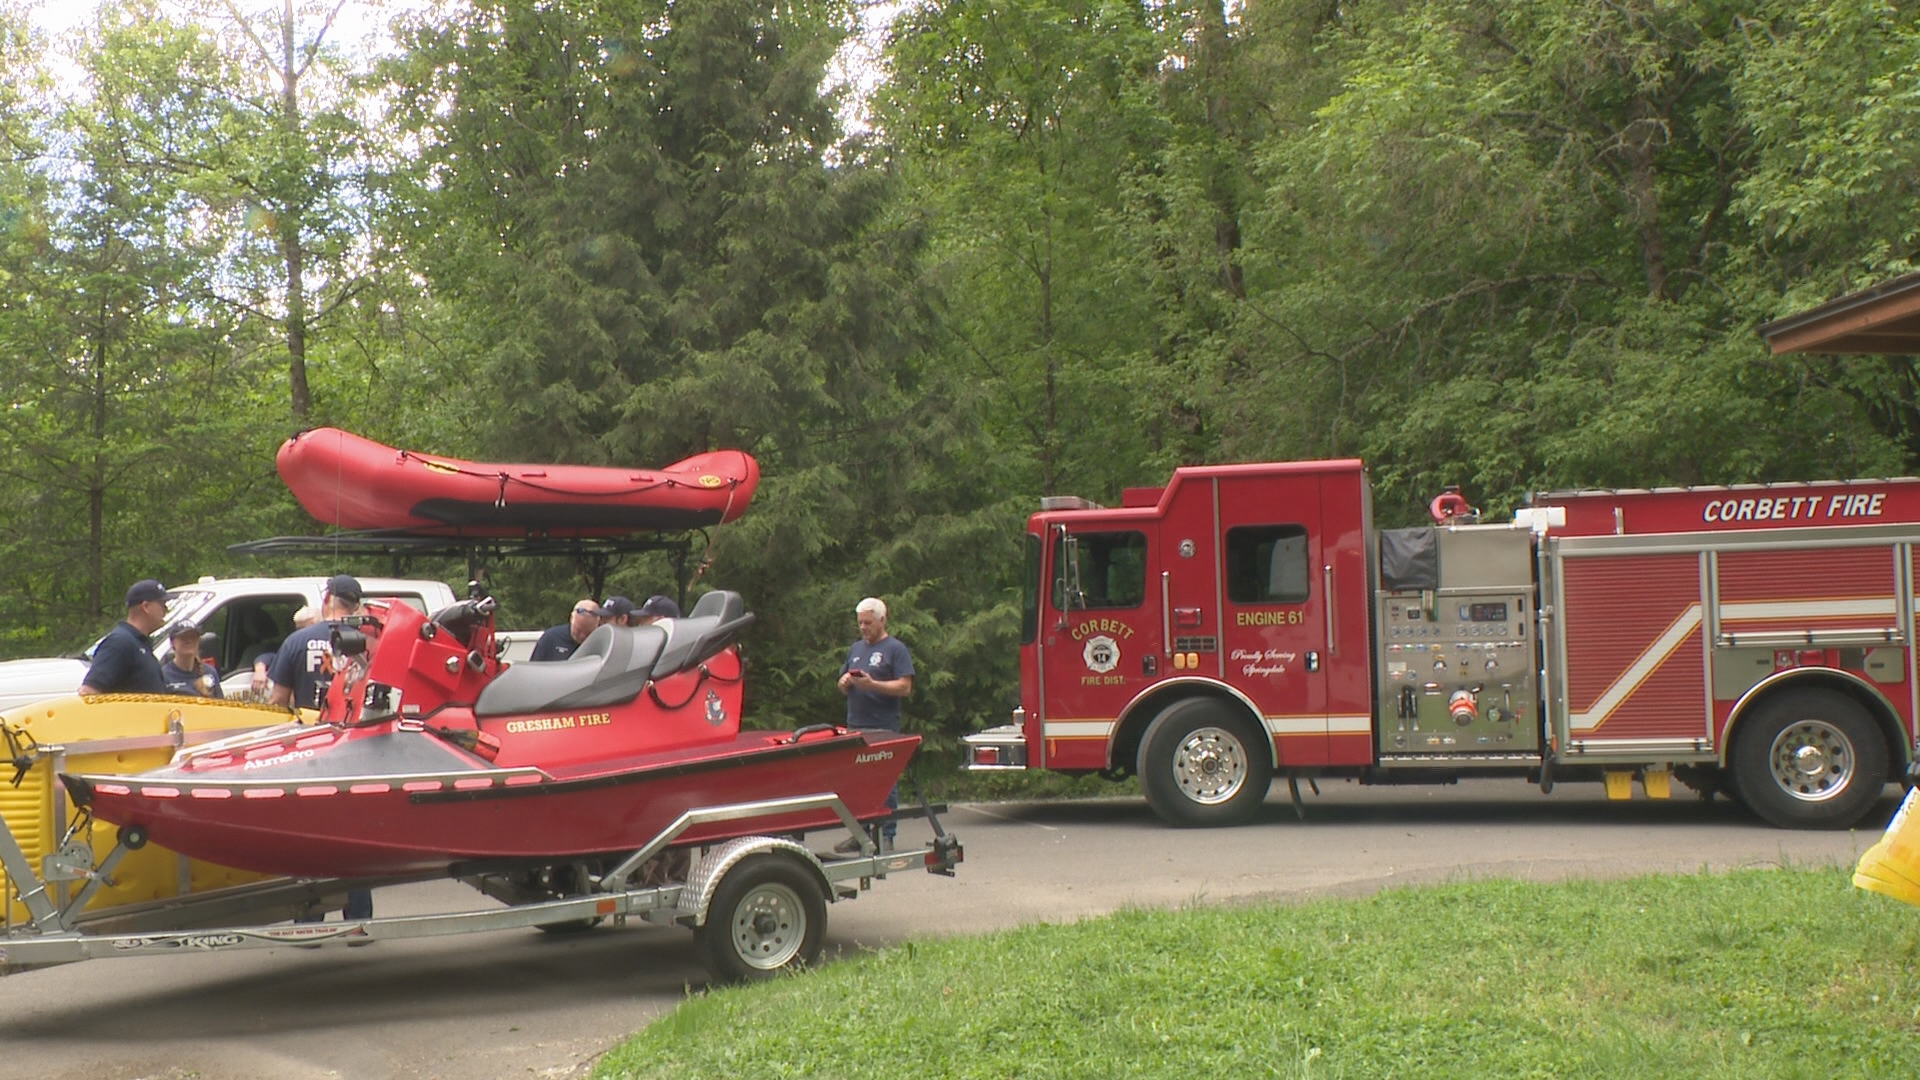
pixel 756 904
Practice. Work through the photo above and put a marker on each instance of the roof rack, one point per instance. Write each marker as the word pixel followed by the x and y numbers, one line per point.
pixel 595 555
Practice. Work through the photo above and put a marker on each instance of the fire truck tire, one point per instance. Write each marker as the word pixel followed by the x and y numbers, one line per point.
pixel 1204 764
pixel 768 915
pixel 1810 759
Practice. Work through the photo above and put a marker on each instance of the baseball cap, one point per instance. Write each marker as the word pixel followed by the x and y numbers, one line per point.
pixel 145 590
pixel 615 607
pixel 346 587
pixel 184 630
pixel 660 607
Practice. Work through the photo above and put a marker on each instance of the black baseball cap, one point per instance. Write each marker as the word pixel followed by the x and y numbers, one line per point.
pixel 145 590
pixel 615 607
pixel 346 587
pixel 660 607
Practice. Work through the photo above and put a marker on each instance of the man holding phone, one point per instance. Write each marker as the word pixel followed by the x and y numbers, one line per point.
pixel 878 674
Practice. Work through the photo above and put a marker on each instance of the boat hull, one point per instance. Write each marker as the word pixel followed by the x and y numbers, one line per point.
pixel 467 812
pixel 356 483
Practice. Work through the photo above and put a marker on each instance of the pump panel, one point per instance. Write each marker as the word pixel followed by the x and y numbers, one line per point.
pixel 1457 660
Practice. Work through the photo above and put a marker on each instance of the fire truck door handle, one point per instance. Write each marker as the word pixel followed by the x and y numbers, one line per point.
pixel 1313 662
pixel 1166 613
pixel 1326 572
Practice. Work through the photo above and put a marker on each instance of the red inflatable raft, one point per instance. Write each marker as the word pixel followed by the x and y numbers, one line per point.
pixel 357 483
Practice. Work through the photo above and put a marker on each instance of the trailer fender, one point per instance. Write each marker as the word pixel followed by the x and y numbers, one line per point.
pixel 713 866
pixel 1899 744
pixel 1123 746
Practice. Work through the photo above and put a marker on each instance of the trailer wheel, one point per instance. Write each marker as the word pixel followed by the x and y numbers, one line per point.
pixel 769 914
pixel 1810 759
pixel 1202 764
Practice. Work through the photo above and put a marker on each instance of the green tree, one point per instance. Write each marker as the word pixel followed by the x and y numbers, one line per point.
pixel 122 390
pixel 646 236
pixel 1504 253
pixel 293 179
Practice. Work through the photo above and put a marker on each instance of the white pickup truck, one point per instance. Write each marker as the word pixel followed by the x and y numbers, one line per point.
pixel 247 616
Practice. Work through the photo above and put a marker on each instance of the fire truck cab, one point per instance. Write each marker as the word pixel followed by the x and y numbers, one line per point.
pixel 1247 622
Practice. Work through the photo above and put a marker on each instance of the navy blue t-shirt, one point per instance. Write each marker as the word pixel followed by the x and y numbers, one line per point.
pixel 884 659
pixel 556 644
pixel 180 681
pixel 123 663
pixel 304 662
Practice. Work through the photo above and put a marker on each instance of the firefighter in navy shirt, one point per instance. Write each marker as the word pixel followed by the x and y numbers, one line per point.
pixel 303 665
pixel 302 668
pixel 877 676
pixel 123 662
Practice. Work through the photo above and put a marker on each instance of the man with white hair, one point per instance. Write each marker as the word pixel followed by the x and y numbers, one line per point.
pixel 877 676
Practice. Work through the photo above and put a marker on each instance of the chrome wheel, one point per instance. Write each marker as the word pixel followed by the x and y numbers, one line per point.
pixel 1210 766
pixel 768 926
pixel 1812 760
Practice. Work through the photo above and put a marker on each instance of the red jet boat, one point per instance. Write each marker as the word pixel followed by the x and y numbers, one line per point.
pixel 431 757
pixel 345 480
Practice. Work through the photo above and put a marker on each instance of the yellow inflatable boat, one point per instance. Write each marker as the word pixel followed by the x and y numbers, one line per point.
pixel 110 733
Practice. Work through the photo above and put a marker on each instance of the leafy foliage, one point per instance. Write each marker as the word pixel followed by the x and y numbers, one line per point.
pixel 1515 246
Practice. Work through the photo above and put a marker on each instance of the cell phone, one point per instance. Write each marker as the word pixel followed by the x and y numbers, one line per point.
pixel 857 673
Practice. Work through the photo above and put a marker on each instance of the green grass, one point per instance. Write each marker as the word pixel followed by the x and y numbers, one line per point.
pixel 1752 974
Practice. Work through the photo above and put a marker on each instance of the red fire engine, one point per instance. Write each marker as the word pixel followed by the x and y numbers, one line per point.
pixel 1247 622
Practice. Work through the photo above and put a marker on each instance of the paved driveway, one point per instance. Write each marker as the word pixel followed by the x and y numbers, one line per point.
pixel 521 1004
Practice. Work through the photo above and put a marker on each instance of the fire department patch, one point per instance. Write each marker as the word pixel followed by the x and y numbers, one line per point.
pixel 716 712
pixel 1102 654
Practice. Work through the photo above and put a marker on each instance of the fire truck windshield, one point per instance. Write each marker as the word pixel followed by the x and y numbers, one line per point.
pixel 1111 570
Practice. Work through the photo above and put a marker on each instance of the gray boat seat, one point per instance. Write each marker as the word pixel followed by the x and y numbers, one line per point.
pixel 716 619
pixel 609 668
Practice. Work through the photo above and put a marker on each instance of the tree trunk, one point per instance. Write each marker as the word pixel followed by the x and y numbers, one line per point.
pixel 293 257
pixel 1644 196
pixel 97 482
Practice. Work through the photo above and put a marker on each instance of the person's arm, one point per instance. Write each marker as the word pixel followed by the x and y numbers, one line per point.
pixel 262 666
pixel 286 672
pixel 899 687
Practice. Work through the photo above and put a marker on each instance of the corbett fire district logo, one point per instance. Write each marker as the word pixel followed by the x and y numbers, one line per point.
pixel 1102 654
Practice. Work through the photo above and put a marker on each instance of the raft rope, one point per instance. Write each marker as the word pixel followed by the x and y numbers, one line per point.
pixel 505 478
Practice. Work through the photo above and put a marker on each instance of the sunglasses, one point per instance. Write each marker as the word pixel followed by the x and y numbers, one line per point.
pixel 585 611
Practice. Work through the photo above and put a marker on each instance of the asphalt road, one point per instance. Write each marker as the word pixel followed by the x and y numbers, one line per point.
pixel 519 1004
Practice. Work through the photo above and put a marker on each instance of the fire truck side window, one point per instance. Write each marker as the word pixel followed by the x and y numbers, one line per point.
pixel 1267 564
pixel 1113 570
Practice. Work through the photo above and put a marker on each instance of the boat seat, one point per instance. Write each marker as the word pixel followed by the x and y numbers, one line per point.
pixel 716 619
pixel 609 668
pixel 615 663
